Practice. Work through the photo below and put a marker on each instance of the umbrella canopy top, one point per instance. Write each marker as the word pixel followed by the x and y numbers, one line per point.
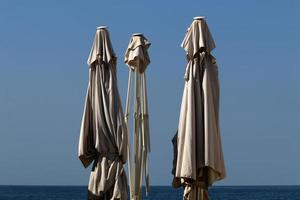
pixel 136 55
pixel 101 27
pixel 137 34
pixel 199 18
pixel 198 38
pixel 102 49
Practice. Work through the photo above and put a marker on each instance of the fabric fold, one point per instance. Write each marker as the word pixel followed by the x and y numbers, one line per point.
pixel 197 39
pixel 102 48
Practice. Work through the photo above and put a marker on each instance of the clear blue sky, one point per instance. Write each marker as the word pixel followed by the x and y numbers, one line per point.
pixel 44 46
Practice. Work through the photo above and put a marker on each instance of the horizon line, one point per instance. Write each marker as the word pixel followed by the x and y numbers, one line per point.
pixel 52 185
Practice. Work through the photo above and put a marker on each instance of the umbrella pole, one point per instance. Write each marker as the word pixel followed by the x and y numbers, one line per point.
pixel 141 155
pixel 137 144
pixel 146 113
pixel 127 116
pixel 143 147
pixel 145 124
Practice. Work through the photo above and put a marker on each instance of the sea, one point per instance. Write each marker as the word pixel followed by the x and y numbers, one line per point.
pixel 156 193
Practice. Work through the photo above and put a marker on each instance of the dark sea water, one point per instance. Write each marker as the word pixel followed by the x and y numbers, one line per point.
pixel 157 193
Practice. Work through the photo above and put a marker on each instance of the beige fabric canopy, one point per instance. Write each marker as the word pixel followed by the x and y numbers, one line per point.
pixel 103 135
pixel 137 58
pixel 199 160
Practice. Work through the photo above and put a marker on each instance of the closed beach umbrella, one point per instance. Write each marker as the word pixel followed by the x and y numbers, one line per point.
pixel 199 160
pixel 103 135
pixel 137 59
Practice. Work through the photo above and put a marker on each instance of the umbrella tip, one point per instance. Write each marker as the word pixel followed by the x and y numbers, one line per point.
pixel 137 34
pixel 101 27
pixel 199 17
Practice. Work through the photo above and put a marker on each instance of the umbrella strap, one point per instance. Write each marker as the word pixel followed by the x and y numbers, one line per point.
pixel 109 155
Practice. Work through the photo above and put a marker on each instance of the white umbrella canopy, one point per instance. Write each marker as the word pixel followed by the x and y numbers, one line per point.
pixel 103 135
pixel 137 59
pixel 199 160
